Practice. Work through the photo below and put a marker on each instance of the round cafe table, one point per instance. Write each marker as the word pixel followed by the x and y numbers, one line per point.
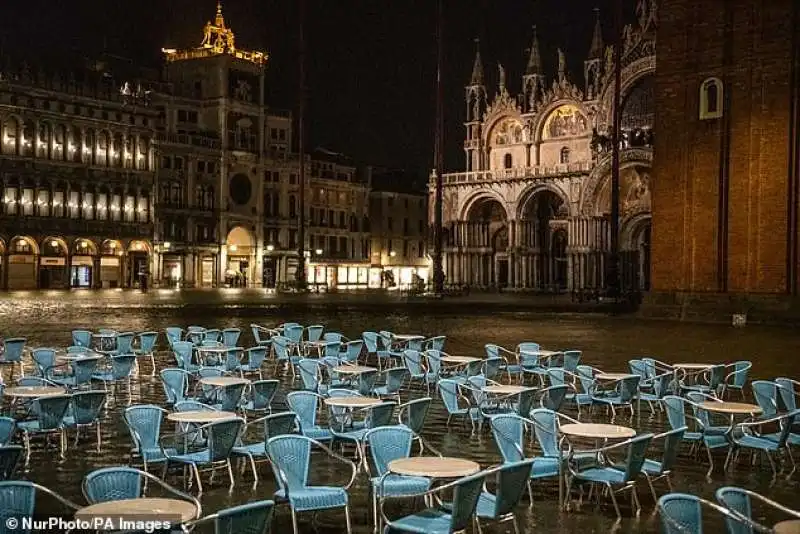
pixel 434 467
pixel 732 408
pixel 199 416
pixel 504 389
pixel 35 392
pixel 459 359
pixel 693 366
pixel 597 431
pixel 352 369
pixel 142 509
pixel 222 381
pixel 790 526
pixel 352 402
pixel 612 376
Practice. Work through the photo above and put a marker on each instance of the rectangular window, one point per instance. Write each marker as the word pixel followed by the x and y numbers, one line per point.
pixel 43 203
pixel 58 204
pixel 116 207
pixel 389 224
pixel 102 207
pixel 88 206
pixel 282 135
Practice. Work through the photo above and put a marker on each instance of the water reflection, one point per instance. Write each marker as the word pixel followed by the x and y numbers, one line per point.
pixel 606 342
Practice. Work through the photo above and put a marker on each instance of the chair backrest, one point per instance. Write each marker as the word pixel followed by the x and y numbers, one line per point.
pixel 353 349
pixel 448 391
pixel 371 341
pixel 82 338
pixel 366 381
pixel 183 353
pixel 122 366
pixel 222 437
pixel 230 396
pixel 332 337
pixel 290 458
pixel 527 352
pixel 739 372
pixel 553 397
pixel 636 455
pixel 51 410
pixel 84 368
pixel 413 362
pixel 680 513
pixel 435 343
pixel 253 517
pixel 262 392
pixel 508 432
pixel 332 349
pixel 738 501
pixel 309 373
pixel 465 499
pixel 257 331
pixel 230 336
pixel 491 366
pixel 304 404
pixel 766 396
pixel 387 443
pixel 279 424
pixel 175 382
pixel 294 332
pixel 628 387
pixel 147 341
pixel 10 456
pixel 434 360
pixel 45 358
pixel 125 342
pixel 314 332
pixel 17 499
pixel 8 427
pixel 144 424
pixel 256 357
pixel 585 377
pixel 413 413
pixel 512 480
pixel 571 360
pixel 787 394
pixel 545 429
pixel 174 334
pixel 381 414
pixel 280 345
pixel 637 368
pixel 672 443
pixel 14 347
pixel 524 401
pixel 395 378
pixel 113 484
pixel 675 407
pixel 86 406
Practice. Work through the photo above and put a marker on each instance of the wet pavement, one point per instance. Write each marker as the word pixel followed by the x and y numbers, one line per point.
pixel 47 318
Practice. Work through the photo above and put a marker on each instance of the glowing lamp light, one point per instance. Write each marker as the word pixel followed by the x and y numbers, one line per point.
pixel 166 246
pixel 270 248
pixel 318 252
pixel 393 254
pixel 83 244
pixel 54 243
pixel 232 248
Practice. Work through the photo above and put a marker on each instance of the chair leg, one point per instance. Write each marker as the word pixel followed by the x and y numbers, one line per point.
pixel 230 473
pixel 376 519
pixel 652 489
pixel 197 478
pixel 294 520
pixel 614 500
pixel 98 435
pixel 347 518
pixel 253 467
pixel 710 461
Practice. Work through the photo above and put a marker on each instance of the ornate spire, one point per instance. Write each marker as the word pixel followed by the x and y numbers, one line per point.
pixel 596 50
pixel 535 57
pixel 217 39
pixel 219 20
pixel 477 66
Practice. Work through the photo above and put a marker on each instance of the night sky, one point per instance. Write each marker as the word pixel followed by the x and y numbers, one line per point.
pixel 370 63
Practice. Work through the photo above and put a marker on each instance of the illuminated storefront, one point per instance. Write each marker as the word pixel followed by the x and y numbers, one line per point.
pixel 342 276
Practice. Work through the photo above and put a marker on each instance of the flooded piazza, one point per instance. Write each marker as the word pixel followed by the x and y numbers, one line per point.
pixel 47 318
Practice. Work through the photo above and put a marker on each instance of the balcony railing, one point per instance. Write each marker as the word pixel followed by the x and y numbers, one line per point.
pixel 189 140
pixel 521 173
pixel 61 226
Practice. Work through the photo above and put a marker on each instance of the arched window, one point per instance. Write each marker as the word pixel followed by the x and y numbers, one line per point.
pixel 711 99
pixel 507 161
pixel 564 155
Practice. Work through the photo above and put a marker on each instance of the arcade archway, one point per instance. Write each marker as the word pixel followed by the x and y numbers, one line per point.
pixel 240 246
pixel 53 272
pixel 487 262
pixel 543 238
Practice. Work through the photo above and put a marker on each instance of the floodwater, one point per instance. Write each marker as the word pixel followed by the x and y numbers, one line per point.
pixel 47 318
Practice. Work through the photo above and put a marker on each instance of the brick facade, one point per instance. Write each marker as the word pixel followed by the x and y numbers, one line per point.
pixel 724 188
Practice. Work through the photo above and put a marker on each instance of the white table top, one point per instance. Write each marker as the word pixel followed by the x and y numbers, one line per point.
pixel 612 376
pixel 35 391
pixel 352 402
pixel 105 335
pixel 541 352
pixel 434 466
pixel 212 349
pixel 459 359
pixel 73 356
pixel 406 337
pixel 597 430
pixel 352 369
pixel 143 509
pixel 199 416
pixel 220 381
pixel 790 526
pixel 731 407
pixel 504 389
pixel 692 365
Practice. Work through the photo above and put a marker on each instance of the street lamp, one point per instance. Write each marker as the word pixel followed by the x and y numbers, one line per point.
pixel 300 273
pixel 270 248
pixel 318 252
pixel 438 268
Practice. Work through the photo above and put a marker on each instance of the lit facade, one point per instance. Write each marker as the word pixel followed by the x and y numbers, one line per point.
pixel 399 212
pixel 77 172
pixel 337 222
pixel 531 208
